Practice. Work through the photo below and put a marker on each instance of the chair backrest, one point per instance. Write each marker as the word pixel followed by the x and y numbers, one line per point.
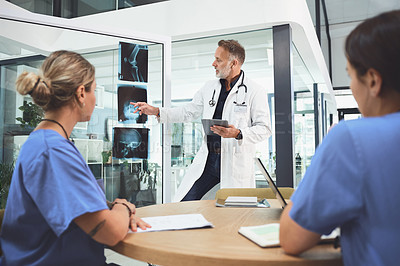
pixel 260 193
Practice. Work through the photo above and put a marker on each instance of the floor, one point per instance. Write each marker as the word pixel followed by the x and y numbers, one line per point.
pixel 113 257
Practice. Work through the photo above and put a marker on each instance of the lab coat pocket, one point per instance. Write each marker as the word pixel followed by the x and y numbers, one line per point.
pixel 242 162
pixel 240 120
pixel 243 169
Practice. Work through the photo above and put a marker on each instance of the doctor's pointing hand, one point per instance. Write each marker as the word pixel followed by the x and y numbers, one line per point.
pixel 144 108
pixel 226 157
pixel 226 132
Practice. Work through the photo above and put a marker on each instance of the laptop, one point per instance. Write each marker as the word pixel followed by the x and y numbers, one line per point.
pixel 271 183
pixel 334 236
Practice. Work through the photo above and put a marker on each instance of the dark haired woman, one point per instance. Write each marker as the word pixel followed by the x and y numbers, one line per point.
pixel 354 178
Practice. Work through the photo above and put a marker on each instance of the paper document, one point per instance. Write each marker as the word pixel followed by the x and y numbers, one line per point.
pixel 175 222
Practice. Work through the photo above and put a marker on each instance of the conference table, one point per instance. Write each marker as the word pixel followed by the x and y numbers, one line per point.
pixel 220 245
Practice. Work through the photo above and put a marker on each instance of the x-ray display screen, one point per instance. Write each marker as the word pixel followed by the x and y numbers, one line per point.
pixel 128 94
pixel 133 65
pixel 131 143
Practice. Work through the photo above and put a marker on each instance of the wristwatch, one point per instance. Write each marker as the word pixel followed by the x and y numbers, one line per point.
pixel 239 136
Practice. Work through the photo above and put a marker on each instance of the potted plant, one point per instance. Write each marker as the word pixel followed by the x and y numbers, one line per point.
pixel 6 172
pixel 31 116
pixel 106 155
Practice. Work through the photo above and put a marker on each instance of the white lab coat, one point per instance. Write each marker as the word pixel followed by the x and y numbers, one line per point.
pixel 237 164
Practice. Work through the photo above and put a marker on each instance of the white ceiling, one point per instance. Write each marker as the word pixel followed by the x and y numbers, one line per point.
pixel 343 11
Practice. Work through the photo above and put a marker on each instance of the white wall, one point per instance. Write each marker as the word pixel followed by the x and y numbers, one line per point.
pixel 340 78
pixel 43 39
pixel 339 33
pixel 186 19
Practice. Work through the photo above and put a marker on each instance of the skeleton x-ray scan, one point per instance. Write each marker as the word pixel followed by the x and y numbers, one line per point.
pixel 128 94
pixel 133 65
pixel 131 143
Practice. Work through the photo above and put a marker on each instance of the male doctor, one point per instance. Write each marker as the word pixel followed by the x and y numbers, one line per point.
pixel 227 157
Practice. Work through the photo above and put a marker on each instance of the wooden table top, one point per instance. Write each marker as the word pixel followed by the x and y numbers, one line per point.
pixel 221 245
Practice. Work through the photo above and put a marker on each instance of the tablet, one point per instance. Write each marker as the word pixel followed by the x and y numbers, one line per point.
pixel 207 123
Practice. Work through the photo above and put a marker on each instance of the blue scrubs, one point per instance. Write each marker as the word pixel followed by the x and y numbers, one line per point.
pixel 353 182
pixel 51 186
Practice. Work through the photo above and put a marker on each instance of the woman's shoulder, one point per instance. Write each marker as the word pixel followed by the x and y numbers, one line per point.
pixel 367 130
pixel 369 123
pixel 42 141
pixel 47 137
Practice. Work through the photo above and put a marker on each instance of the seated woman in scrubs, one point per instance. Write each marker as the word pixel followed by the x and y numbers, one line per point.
pixel 354 178
pixel 56 213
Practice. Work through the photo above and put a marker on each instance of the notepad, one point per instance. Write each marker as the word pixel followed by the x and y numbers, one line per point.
pixel 262 203
pixel 267 235
pixel 241 201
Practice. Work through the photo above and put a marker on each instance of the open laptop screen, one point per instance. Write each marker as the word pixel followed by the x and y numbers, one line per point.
pixel 271 183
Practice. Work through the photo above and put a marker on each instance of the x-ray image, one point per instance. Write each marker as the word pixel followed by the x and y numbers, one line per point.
pixel 128 94
pixel 131 142
pixel 133 62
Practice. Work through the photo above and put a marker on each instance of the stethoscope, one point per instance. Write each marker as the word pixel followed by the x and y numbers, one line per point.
pixel 212 101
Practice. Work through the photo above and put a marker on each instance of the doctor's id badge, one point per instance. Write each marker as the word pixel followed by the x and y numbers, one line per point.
pixel 240 108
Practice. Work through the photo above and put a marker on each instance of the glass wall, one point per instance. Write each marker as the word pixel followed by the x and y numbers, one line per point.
pixel 123 151
pixel 304 115
pixel 191 68
pixel 304 135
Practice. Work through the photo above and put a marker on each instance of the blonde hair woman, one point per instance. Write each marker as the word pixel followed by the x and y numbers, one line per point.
pixel 56 213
